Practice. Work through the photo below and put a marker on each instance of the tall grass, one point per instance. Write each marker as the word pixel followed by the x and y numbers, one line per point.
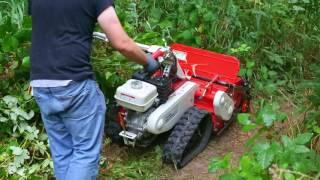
pixel 14 10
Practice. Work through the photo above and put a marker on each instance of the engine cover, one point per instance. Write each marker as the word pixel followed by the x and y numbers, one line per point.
pixel 136 95
pixel 167 114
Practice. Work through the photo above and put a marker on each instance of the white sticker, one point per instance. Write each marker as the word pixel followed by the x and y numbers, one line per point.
pixel 180 55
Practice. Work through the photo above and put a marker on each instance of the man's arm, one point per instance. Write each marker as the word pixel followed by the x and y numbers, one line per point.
pixel 119 39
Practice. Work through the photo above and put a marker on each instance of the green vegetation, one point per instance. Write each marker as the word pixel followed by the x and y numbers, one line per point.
pixel 277 42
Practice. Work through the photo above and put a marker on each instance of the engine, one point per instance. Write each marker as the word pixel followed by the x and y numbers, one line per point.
pixel 145 117
pixel 151 104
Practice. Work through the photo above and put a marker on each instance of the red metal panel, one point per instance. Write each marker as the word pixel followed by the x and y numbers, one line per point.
pixel 209 64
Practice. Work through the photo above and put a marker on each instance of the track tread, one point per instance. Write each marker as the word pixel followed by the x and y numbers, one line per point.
pixel 181 135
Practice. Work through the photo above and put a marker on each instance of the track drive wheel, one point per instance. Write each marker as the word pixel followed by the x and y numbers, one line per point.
pixel 188 138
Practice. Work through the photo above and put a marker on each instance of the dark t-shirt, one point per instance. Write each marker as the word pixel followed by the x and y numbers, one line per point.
pixel 62 36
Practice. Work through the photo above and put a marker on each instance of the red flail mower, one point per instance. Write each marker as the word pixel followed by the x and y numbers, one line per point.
pixel 194 94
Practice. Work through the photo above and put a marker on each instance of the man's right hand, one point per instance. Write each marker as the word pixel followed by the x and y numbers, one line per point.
pixel 152 65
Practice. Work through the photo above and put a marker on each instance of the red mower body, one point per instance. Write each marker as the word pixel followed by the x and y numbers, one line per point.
pixel 212 72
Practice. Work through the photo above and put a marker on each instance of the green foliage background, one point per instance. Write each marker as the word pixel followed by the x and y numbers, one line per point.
pixel 277 42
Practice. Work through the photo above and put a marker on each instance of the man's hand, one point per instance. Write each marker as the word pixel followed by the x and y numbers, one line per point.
pixel 118 38
pixel 152 65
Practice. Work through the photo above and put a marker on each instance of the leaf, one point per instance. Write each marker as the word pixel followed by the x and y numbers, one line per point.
pixel 22 127
pixel 34 168
pixel 198 41
pixel 12 168
pixel 244 120
pixel 264 154
pixel 316 129
pixel 45 163
pixel 3 119
pixel 209 16
pixel 301 149
pixel 30 115
pixel 298 8
pixel 1 58
pixel 230 176
pixel 1 67
pixel 16 150
pixel 268 118
pixel 41 147
pixel 156 14
pixel 303 138
pixel 13 117
pixel 250 64
pixel 269 114
pixel 276 148
pixel 193 17
pixel 242 72
pixel 287 142
pixel 21 171
pixel 43 137
pixel 247 163
pixel 10 43
pixel 166 24
pixel 219 163
pixel 108 75
pixel 26 63
pixel 186 35
pixel 22 113
pixel 32 133
pixel 249 72
pixel 20 155
pixel 288 176
pixel 21 158
pixel 10 101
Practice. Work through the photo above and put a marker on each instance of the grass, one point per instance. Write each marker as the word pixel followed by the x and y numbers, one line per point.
pixel 121 162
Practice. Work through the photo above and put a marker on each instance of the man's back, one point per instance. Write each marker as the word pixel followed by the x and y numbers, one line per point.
pixel 61 38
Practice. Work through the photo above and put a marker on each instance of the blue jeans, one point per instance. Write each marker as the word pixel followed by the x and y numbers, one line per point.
pixel 74 118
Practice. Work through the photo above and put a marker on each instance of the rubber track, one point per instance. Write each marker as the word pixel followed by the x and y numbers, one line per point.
pixel 181 135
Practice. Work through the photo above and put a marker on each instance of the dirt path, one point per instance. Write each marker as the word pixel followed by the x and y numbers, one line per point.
pixel 232 140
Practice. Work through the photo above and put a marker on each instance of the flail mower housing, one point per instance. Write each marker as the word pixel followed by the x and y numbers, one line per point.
pixel 194 94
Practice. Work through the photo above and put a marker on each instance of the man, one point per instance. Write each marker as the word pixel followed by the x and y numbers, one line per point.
pixel 71 103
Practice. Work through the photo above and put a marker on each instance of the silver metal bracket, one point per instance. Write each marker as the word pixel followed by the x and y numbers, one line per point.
pixel 129 138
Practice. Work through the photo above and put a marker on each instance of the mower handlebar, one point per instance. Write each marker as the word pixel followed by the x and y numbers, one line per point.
pixel 156 51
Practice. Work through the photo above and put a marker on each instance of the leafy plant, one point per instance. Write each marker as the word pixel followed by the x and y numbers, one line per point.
pixel 290 157
pixel 268 157
pixel 27 153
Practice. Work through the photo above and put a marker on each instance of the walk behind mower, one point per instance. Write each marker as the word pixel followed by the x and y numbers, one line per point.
pixel 194 94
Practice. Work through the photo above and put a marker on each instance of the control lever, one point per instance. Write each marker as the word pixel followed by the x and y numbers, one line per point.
pixel 170 63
